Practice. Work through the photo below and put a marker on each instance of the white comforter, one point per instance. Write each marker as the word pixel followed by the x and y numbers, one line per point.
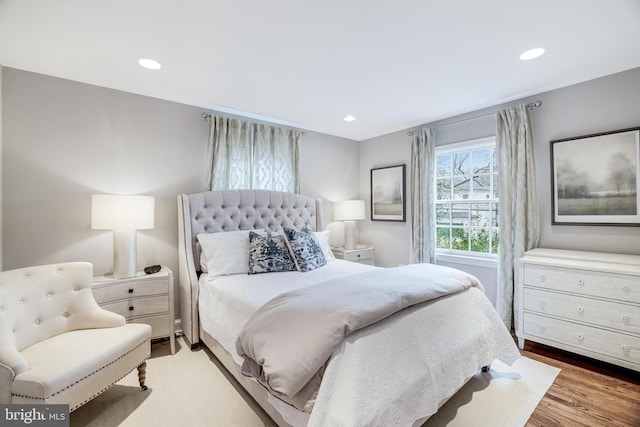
pixel 395 372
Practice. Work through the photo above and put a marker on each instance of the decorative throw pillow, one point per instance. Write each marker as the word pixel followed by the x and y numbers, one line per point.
pixel 304 248
pixel 268 254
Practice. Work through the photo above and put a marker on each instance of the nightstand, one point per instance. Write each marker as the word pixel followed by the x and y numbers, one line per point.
pixel 363 254
pixel 145 298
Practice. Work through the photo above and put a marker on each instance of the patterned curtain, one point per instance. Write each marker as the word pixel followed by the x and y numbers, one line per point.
pixel 423 217
pixel 518 216
pixel 275 159
pixel 243 155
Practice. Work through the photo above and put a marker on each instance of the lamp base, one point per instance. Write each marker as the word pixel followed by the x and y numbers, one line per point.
pixel 124 254
pixel 349 234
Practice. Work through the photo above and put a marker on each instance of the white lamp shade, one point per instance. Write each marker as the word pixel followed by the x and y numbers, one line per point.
pixel 349 210
pixel 122 212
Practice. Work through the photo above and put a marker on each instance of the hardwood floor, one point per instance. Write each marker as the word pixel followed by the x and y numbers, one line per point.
pixel 586 392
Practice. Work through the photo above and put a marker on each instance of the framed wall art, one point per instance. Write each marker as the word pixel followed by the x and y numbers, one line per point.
pixel 388 194
pixel 595 179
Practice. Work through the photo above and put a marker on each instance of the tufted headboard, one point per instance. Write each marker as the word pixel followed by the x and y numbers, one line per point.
pixel 230 210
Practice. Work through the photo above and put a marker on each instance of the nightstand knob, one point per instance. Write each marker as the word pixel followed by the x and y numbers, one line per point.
pixel 581 282
pixel 130 291
pixel 625 348
pixel 626 289
pixel 580 310
pixel 626 319
pixel 130 308
pixel 358 255
pixel 580 337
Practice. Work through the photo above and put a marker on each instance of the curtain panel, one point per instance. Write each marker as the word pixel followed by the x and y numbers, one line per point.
pixel 423 214
pixel 245 155
pixel 518 216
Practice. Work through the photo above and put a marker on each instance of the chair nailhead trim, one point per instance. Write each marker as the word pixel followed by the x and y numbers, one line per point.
pixel 87 376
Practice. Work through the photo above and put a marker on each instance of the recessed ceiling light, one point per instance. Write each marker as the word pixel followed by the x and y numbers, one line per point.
pixel 532 53
pixel 149 63
pixel 349 118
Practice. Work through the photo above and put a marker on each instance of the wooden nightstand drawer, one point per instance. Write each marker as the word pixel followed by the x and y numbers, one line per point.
pixel 160 324
pixel 105 293
pixel 361 255
pixel 140 306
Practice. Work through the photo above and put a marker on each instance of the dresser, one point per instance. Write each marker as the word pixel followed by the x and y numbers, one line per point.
pixel 583 302
pixel 363 254
pixel 145 298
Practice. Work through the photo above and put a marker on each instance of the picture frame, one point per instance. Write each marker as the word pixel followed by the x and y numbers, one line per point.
pixel 595 179
pixel 388 193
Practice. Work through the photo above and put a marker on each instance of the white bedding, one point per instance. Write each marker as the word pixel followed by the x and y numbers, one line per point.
pixel 423 354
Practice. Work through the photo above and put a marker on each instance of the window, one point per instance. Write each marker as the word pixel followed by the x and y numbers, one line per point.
pixel 467 197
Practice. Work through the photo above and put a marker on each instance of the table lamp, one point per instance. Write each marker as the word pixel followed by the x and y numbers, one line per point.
pixel 124 214
pixel 349 211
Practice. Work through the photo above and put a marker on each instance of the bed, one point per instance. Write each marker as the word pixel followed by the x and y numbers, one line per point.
pixel 398 370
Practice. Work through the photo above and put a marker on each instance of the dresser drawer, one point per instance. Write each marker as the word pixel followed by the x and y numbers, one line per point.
pixel 598 284
pixel 160 325
pixel 139 306
pixel 612 344
pixel 111 292
pixel 359 256
pixel 623 317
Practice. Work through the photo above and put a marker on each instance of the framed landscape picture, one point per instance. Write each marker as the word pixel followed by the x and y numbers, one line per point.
pixel 388 194
pixel 595 179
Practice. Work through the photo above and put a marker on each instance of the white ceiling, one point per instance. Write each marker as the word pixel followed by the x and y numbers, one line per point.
pixel 392 64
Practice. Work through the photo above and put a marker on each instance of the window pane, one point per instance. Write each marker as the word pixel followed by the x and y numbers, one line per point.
pixel 461 163
pixel 443 165
pixel 482 161
pixel 442 214
pixel 461 188
pixel 460 214
pixel 442 238
pixel 480 240
pixel 480 215
pixel 459 239
pixel 443 190
pixel 482 186
pixel 494 215
pixel 495 186
pixel 495 241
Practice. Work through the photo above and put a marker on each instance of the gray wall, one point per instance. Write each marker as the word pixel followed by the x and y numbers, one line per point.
pixel 599 105
pixel 64 141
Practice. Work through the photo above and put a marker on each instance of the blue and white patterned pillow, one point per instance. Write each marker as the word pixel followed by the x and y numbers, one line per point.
pixel 268 254
pixel 304 248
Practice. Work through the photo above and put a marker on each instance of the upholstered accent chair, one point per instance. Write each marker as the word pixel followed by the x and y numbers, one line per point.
pixel 57 346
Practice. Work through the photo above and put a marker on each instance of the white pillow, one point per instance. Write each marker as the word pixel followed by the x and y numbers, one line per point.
pixel 324 239
pixel 226 252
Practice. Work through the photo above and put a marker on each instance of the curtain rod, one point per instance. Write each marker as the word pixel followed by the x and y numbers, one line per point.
pixel 530 105
pixel 207 116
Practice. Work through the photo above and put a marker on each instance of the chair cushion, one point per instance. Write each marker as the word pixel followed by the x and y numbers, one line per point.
pixel 76 366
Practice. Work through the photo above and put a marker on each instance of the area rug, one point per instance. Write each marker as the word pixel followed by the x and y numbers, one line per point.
pixel 191 389
pixel 504 396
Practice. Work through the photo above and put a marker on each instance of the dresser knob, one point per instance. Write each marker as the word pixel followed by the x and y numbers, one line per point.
pixel 580 337
pixel 626 289
pixel 626 319
pixel 580 310
pixel 131 308
pixel 625 348
pixel 580 282
pixel 542 278
pixel 130 291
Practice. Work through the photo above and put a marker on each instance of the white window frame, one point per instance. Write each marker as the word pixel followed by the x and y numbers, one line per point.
pixel 464 146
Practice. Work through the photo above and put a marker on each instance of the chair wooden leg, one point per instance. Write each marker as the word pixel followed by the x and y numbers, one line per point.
pixel 142 374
